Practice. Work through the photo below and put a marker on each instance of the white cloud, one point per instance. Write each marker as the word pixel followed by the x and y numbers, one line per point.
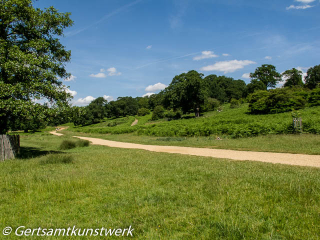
pixel 226 55
pixel 101 74
pixel 113 72
pixel 73 93
pixel 299 7
pixel 268 58
pixel 305 1
pixel 84 101
pixel 155 87
pixel 148 94
pixel 204 55
pixel 71 78
pixel 149 47
pixel 246 75
pixel 228 66
pixel 108 98
pixel 304 71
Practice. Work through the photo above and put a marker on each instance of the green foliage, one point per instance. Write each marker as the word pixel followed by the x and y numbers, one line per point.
pixel 31 60
pixel 143 111
pixel 276 101
pixel 293 78
pixel 170 114
pixel 255 85
pixel 186 91
pixel 224 88
pixel 234 103
pixel 313 77
pixel 158 113
pixel 267 74
pixel 82 143
pixel 314 97
pixel 57 159
pixel 67 144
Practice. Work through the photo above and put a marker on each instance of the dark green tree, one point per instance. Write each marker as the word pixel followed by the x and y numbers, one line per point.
pixel 186 91
pixel 267 74
pixel 313 77
pixel 32 59
pixel 293 78
pixel 255 85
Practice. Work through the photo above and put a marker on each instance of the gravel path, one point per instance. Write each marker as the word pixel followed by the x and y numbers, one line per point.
pixel 134 123
pixel 282 158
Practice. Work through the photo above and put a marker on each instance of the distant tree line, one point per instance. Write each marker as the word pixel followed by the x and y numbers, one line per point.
pixel 193 93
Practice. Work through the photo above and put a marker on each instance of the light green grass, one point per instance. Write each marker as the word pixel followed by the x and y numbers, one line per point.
pixel 162 196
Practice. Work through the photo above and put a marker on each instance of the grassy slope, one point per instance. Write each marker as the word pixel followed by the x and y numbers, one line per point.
pixel 163 196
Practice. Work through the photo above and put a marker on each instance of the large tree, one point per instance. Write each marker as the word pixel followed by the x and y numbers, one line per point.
pixel 32 60
pixel 292 77
pixel 186 91
pixel 267 74
pixel 313 77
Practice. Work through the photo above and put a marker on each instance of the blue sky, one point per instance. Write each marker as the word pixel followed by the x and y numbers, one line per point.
pixel 135 47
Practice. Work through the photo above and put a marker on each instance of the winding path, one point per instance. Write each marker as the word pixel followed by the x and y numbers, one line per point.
pixel 269 157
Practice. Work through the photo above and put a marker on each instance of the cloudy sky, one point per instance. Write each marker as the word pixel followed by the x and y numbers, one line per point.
pixel 135 47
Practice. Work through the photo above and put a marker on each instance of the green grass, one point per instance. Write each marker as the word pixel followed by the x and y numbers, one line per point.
pixel 233 123
pixel 290 143
pixel 162 196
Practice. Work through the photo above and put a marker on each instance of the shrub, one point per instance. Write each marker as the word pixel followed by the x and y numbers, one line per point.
pixel 67 144
pixel 314 97
pixel 234 103
pixel 82 143
pixel 276 101
pixel 212 104
pixel 158 113
pixel 57 159
pixel 143 111
pixel 173 114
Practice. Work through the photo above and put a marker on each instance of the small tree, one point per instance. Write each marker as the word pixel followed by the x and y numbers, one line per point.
pixel 267 74
pixel 293 78
pixel 31 60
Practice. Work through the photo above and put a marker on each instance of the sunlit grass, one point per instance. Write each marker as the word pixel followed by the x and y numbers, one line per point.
pixel 162 196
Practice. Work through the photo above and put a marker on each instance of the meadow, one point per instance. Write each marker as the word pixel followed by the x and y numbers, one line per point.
pixel 162 196
pixel 230 123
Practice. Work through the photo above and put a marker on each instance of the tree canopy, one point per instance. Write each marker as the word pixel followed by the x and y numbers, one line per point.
pixel 313 77
pixel 293 78
pixel 32 60
pixel 267 74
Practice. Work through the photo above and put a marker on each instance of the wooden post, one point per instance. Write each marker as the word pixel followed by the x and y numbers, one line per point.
pixel 9 146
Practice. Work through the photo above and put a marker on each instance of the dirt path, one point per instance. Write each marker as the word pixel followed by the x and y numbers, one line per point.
pixel 134 123
pixel 56 133
pixel 282 158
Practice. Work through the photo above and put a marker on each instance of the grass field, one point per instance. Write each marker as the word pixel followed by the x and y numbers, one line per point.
pixel 162 196
pixel 230 123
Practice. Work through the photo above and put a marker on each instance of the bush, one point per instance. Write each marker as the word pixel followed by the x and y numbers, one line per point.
pixel 67 144
pixel 143 111
pixel 82 143
pixel 158 113
pixel 173 114
pixel 57 159
pixel 212 104
pixel 277 100
pixel 314 97
pixel 234 103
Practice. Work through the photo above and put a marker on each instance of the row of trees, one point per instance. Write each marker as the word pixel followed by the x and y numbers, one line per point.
pixel 192 92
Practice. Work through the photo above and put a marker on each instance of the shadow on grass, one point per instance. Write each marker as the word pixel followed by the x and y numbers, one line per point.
pixel 30 152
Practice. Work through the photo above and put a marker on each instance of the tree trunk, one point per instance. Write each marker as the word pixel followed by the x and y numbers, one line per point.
pixel 9 146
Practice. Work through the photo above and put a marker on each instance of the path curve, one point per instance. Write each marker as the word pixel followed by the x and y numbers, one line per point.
pixel 269 157
pixel 56 133
pixel 135 122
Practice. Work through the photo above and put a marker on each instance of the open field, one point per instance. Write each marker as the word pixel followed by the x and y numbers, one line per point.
pixel 162 196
